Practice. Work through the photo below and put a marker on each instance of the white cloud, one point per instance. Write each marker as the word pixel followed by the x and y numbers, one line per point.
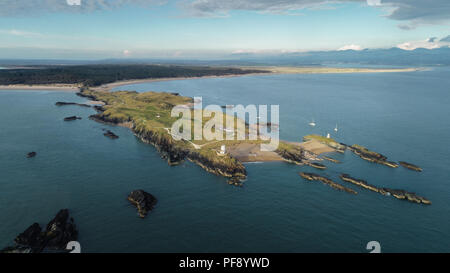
pixel 21 33
pixel 411 12
pixel 10 8
pixel 350 47
pixel 430 43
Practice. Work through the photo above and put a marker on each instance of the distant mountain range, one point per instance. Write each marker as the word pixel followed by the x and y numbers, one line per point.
pixel 392 56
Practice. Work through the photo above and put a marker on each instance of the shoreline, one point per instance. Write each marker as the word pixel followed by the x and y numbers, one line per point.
pixel 109 86
pixel 41 87
pixel 271 70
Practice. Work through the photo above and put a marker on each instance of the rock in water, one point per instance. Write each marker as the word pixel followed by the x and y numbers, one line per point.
pixel 32 154
pixel 31 237
pixel 60 103
pixel 59 232
pixel 71 118
pixel 410 166
pixel 143 201
pixel 110 135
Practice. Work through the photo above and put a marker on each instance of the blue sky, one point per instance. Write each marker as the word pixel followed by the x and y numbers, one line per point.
pixel 213 29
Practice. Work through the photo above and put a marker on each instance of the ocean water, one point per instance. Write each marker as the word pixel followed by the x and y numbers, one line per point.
pixel 402 115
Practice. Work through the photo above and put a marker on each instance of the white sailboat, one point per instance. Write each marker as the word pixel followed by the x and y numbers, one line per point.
pixel 336 128
pixel 312 123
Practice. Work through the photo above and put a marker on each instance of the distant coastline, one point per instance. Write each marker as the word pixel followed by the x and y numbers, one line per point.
pixel 271 70
pixel 44 87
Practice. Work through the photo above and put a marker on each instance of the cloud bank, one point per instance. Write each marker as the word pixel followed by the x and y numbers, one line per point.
pixel 9 8
pixel 411 12
pixel 430 43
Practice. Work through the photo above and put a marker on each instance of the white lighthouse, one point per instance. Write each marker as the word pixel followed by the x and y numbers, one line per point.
pixel 222 150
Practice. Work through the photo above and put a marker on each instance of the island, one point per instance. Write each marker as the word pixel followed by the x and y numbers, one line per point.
pixel 31 154
pixel 143 201
pixel 148 115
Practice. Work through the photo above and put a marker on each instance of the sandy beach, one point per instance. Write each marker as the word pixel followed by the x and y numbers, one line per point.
pixel 109 86
pixel 271 70
pixel 247 152
pixel 316 147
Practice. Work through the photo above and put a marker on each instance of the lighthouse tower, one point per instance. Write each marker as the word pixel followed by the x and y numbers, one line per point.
pixel 222 149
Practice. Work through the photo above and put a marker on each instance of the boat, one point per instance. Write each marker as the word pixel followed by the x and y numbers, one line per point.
pixel 336 128
pixel 312 123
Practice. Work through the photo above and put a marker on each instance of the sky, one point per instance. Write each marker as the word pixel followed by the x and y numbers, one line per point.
pixel 205 29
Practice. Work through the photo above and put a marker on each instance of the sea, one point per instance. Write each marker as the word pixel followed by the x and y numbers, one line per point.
pixel 404 116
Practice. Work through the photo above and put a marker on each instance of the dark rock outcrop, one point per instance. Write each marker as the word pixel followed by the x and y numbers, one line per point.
pixel 60 103
pixel 399 194
pixel 235 182
pixel 296 156
pixel 331 159
pixel 58 233
pixel 72 118
pixel 410 166
pixel 111 135
pixel 31 154
pixel 143 201
pixel 317 165
pixel 404 195
pixel 326 181
pixel 371 156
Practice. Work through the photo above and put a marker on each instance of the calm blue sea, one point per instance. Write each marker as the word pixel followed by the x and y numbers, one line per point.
pixel 402 115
